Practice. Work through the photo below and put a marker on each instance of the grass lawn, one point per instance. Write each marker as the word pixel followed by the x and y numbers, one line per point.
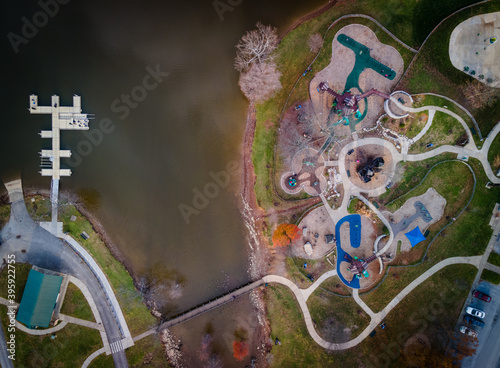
pixel 445 130
pixel 147 352
pixel 467 236
pixel 412 173
pixel 353 205
pixel 494 259
pixel 450 179
pixel 428 100
pixel 72 345
pixel 409 126
pixel 4 215
pixel 431 309
pixel 75 304
pixel 21 272
pixel 297 348
pixel 315 267
pixel 491 276
pixel 493 152
pixel 334 285
pixel 39 208
pixel 136 314
pixel 337 319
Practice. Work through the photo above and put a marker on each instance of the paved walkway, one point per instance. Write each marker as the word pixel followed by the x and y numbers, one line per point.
pixel 470 145
pixel 362 304
pixel 301 295
pixel 491 267
pixel 5 362
pixel 376 318
pixel 430 118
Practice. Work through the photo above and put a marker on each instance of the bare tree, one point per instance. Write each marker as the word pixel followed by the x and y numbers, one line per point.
pixel 315 42
pixel 205 347
pixel 260 81
pixel 214 362
pixel 255 46
pixel 480 95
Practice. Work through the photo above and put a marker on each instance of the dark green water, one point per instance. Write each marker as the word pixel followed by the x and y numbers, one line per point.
pixel 154 155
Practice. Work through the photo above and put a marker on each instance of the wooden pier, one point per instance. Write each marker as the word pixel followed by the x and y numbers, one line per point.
pixel 63 118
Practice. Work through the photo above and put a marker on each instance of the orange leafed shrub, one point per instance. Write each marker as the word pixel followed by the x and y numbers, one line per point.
pixel 240 349
pixel 286 234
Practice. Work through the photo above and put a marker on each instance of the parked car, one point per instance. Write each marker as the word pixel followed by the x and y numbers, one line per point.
pixel 475 312
pixel 350 151
pixel 473 321
pixel 468 331
pixel 482 296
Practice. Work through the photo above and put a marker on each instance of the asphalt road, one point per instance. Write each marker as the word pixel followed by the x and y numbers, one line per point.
pixel 32 244
pixel 5 362
pixel 488 352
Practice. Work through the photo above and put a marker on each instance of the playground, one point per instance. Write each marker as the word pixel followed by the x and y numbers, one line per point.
pixel 360 62
pixel 307 173
pixel 475 49
pixel 409 216
pixel 362 156
pixel 357 266
pixel 315 227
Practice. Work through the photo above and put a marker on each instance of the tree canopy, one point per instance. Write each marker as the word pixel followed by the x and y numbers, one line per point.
pixel 255 46
pixel 285 234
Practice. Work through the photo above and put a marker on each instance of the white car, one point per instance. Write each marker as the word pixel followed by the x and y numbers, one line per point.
pixel 475 312
pixel 468 331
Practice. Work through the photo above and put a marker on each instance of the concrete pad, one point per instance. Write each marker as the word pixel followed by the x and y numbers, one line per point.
pixel 470 47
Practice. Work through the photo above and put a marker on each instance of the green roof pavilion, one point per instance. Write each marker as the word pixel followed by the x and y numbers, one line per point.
pixel 39 299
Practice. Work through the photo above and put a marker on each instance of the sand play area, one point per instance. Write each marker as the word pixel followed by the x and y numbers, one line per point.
pixel 473 51
pixel 314 227
pixel 341 65
pixel 363 155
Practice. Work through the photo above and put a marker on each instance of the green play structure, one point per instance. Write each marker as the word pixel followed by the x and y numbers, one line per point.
pixel 363 61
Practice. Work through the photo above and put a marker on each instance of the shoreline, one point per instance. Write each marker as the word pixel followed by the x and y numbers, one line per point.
pixel 96 226
pixel 309 16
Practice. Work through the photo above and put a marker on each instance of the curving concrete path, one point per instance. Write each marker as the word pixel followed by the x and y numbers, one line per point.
pixel 301 295
pixel 376 318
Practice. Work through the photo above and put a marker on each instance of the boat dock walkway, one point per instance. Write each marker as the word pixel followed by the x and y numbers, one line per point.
pixel 63 118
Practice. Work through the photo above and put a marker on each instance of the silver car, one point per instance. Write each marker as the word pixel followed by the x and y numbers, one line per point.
pixel 475 312
pixel 468 331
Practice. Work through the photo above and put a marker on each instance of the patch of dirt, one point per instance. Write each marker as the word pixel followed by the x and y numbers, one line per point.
pixel 317 224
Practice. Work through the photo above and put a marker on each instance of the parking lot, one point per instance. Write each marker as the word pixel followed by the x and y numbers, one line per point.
pixel 487 353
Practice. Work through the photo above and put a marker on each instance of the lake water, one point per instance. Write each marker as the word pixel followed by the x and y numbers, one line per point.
pixel 156 150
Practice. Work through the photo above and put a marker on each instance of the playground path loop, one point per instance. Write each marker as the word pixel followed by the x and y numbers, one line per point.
pixel 376 318
pixel 470 145
pixel 301 295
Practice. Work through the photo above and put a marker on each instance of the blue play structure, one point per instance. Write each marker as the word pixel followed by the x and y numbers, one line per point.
pixel 415 236
pixel 355 237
